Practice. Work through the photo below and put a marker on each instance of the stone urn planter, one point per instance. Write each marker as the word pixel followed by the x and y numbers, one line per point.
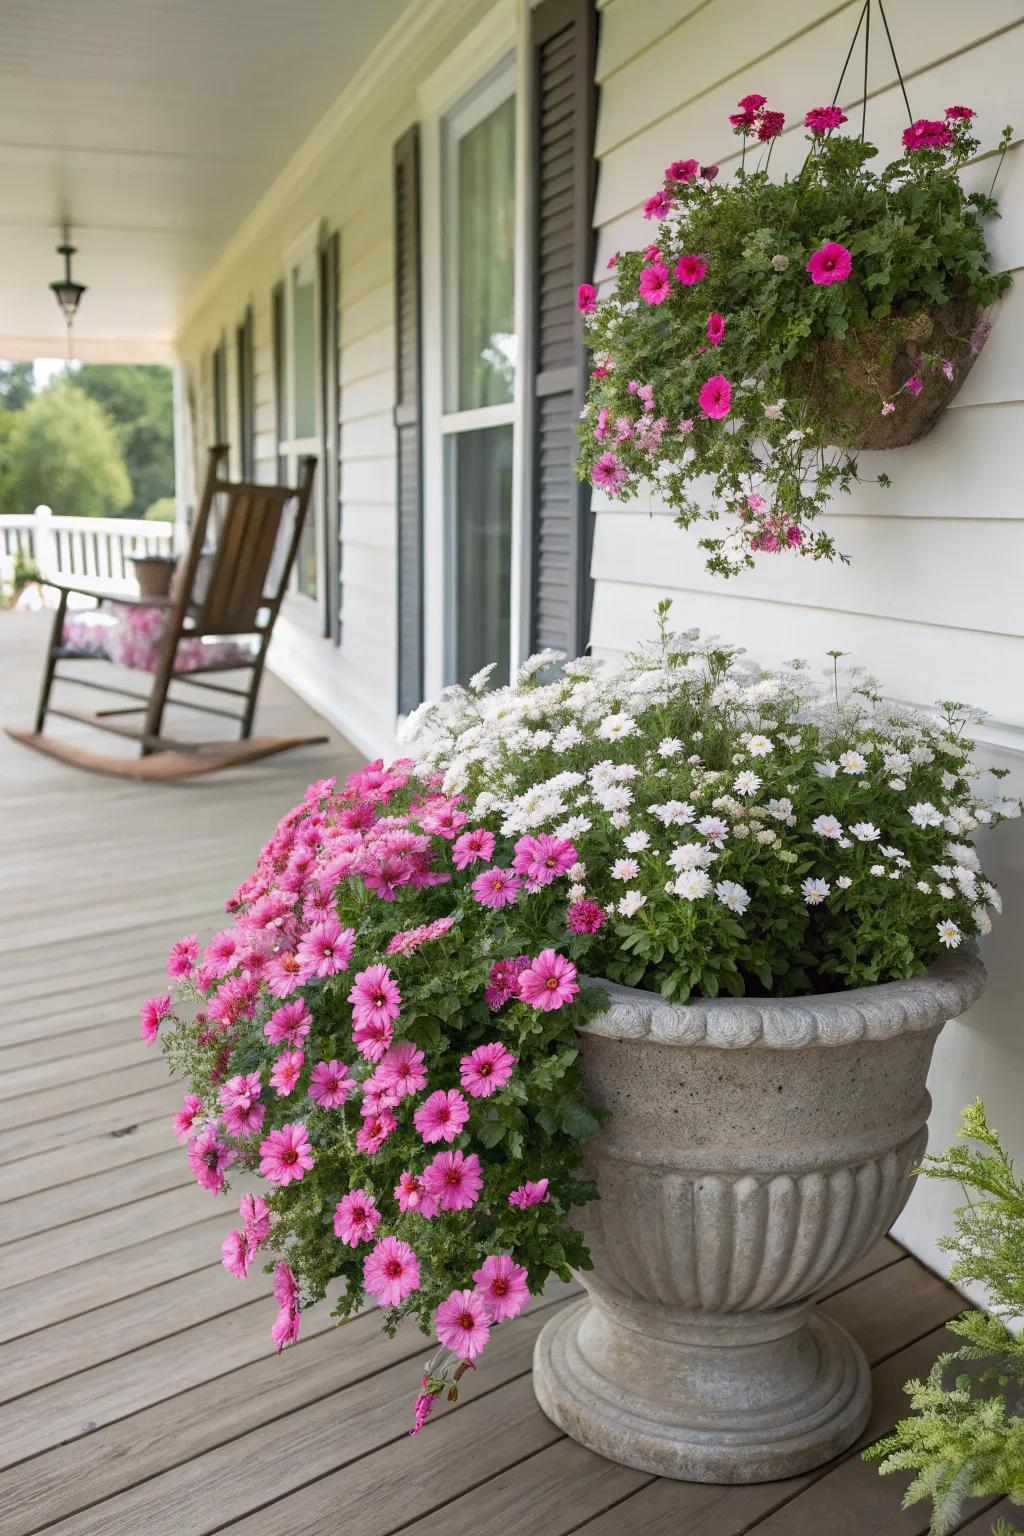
pixel 753 1150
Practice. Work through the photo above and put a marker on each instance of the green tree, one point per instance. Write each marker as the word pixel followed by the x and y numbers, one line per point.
pixel 17 385
pixel 138 399
pixel 63 450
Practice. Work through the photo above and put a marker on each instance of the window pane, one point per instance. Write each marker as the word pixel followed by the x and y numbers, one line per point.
pixel 483 550
pixel 485 262
pixel 304 348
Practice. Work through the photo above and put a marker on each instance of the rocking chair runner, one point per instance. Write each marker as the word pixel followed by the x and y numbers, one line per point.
pixel 233 602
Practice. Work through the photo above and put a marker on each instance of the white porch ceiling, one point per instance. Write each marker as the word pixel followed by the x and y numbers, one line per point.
pixel 151 127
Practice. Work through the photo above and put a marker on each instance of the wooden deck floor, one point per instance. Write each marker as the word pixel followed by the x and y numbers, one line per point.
pixel 139 1392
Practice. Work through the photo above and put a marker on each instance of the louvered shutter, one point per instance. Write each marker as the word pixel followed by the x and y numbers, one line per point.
pixel 277 340
pixel 244 375
pixel 328 255
pixel 408 425
pixel 563 38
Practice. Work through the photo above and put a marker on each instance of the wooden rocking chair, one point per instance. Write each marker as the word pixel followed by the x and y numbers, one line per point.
pixel 232 601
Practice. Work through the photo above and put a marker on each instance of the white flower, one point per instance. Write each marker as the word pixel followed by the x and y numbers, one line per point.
pixel 982 921
pixel 578 871
pixel 826 770
pixel 897 783
pixel 879 869
pixel 773 412
pixel 924 887
pixel 949 933
pixel 617 798
pixel 796 436
pixel 852 762
pixel 478 682
pixel 760 746
pixel 636 842
pixel 924 814
pixel 690 856
pixel 714 829
pixel 625 869
pixel 814 891
pixel 994 899
pixel 569 736
pixel 896 762
pixel 577 892
pixel 619 819
pixel 827 826
pixel 865 831
pixel 747 783
pixel 616 727
pixel 692 884
pixel 674 813
pixel 733 896
pixel 630 904
pixel 946 891
pixel 780 263
pixel 670 746
pixel 573 828
pixel 780 809
pixel 768 839
pixel 844 882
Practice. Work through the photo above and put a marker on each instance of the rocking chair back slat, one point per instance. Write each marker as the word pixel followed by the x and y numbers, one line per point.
pixel 236 591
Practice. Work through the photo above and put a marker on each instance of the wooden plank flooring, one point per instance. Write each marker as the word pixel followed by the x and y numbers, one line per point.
pixel 138 1389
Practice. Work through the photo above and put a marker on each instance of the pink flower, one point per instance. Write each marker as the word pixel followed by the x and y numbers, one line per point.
pixel 356 1218
pixel 770 126
pixel 222 952
pixel 374 1131
pixel 182 958
pixel 831 264
pixel 236 1254
pixel 716 327
pixel 285 1072
pixel 496 888
pixel 541 859
pixel 283 973
pixel 286 1294
pixel 152 1014
pixel 486 1069
pixel 926 133
pixel 375 997
pixel 391 1271
pixel 289 1024
pixel 441 1116
pixel 478 844
pixel 794 536
pixel 422 1407
pixel 914 385
pixel 691 269
pixel 549 982
pixel 657 205
pixel 824 119
pixel 685 426
pixel 584 917
pixel 411 1195
pixel 401 1070
pixel 183 1121
pixel 326 949
pixel 286 1154
pixel 586 298
pixel 530 1193
pixel 454 1180
pixel 752 103
pixel 715 398
pixel 503 982
pixel 241 1091
pixel 372 1039
pixel 330 1084
pixel 285 1329
pixel 888 407
pixel 961 114
pixel 655 283
pixel 709 172
pixel 462 1324
pixel 209 1158
pixel 255 1218
pixel 501 1286
pixel 682 170
pixel 609 473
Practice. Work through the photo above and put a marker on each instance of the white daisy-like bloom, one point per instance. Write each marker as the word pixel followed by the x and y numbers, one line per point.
pixel 963 853
pixel 669 746
pixel 760 746
pixel 577 871
pixel 478 682
pixel 747 783
pixel 484 803
pixel 630 904
pixel 995 901
pixel 619 819
pixel 879 869
pixel 946 891
pixel 636 842
pixel 568 737
pixel 774 411
pixel 924 887
pixel 897 784
pixel 733 895
pixel 714 829
pixel 982 921
pixel 949 933
pixel 674 813
pixel 741 830
pixel 827 826
pixel 865 831
pixel 768 839
pixel 616 727
pixel 922 754
pixel 536 663
pixel 625 869
pixel 796 436
pixel 826 770
pixel 814 892
pixel 844 882
pixel 692 884
pixel 616 798
pixel 924 814
pixel 780 809
pixel 577 892
pixel 896 762
pixel 691 856
pixel 852 762
pixel 572 829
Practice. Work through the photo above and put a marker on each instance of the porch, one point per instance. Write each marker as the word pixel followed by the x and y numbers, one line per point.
pixel 139 1386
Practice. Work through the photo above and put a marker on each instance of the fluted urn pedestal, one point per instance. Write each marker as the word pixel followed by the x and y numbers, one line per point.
pixel 752 1151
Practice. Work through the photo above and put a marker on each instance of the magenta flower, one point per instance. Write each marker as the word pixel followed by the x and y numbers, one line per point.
pixel 441 1116
pixel 831 264
pixel 503 982
pixel 960 114
pixel 289 1024
pixel 236 1254
pixel 454 1180
pixel 152 1014
pixel 541 859
pixel 486 1069
pixel 690 270
pixel 914 385
pixel 462 1324
pixel 496 888
pixel 183 1121
pixel 286 1294
pixel 715 398
pixel 401 1070
pixel 375 1130
pixel 222 952
pixel 586 298
pixel 240 1092
pixel 326 950
pixel 286 1155
pixel 770 126
pixel 372 1039
pixel 824 119
pixel 285 1072
pixel 471 846
pixel 655 283
pixel 658 205
pixel 391 1271
pixel 682 170
pixel 501 1286
pixel 709 172
pixel 283 973
pixel 182 958
pixel 549 982
pixel 530 1193
pixel 244 1119
pixel 584 917
pixel 255 1218
pixel 356 1218
pixel 715 328
pixel 330 1084
pixel 609 474
pixel 375 997
pixel 209 1158
pixel 926 133
pixel 752 103
pixel 411 1194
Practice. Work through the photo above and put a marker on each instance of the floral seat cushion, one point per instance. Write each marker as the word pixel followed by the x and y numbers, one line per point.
pixel 131 635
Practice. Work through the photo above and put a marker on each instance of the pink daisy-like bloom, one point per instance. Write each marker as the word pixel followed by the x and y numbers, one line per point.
pixel 356 1218
pixel 183 1121
pixel 374 1131
pixel 960 114
pixel 655 283
pixel 586 298
pixel 496 887
pixel 657 205
pixel 330 1084
pixel 715 328
pixel 501 1286
pixel 286 1294
pixel 286 1155
pixel 486 1069
pixel 401 1069
pixel 222 952
pixel 255 1218
pixel 182 958
pixel 471 846
pixel 682 170
pixel 543 858
pixel 550 981
pixel 752 103
pixel 794 536
pixel 283 973
pixel 289 1024
pixel 926 133
pixel 240 1092
pixel 286 1071
pixel 236 1254
pixel 585 917
pixel 690 270
pixel 503 982
pixel 375 997
pixel 533 1192
pixel 715 398
pixel 462 1324
pixel 831 264
pixel 326 949
pixel 391 1271
pixel 770 126
pixel 411 1194
pixel 609 474
pixel 152 1014
pixel 454 1179
pixel 244 1119
pixel 441 1116
pixel 372 1038
pixel 824 119
pixel 914 385
pixel 285 1329
pixel 209 1158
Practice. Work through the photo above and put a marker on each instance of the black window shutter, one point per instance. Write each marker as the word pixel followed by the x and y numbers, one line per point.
pixel 328 252
pixel 408 424
pixel 246 407
pixel 277 339
pixel 563 47
pixel 219 388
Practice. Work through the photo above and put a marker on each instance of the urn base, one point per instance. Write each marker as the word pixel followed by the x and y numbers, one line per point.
pixel 746 1397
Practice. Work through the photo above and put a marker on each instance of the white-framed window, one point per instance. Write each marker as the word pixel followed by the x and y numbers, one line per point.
pixel 302 431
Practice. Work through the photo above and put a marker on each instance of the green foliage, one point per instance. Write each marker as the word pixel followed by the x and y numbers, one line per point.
pixel 162 511
pixel 138 399
pixel 17 385
pixel 62 451
pixel 966 1436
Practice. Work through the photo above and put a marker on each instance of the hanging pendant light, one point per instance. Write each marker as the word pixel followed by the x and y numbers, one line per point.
pixel 66 291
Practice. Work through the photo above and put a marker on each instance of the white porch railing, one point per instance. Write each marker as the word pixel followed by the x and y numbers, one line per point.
pixel 96 548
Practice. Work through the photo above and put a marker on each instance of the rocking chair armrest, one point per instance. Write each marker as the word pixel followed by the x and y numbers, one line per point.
pixel 130 599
